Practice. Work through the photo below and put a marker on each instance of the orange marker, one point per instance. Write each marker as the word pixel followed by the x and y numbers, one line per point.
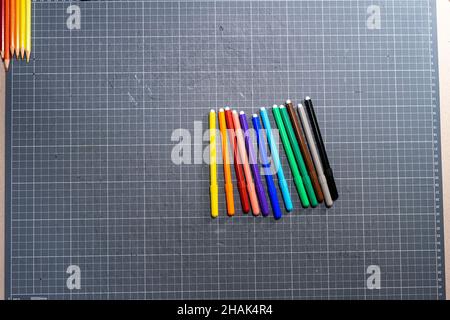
pixel 226 164
pixel 244 158
pixel 7 33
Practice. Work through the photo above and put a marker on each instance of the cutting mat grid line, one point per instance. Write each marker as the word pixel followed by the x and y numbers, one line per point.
pixel 92 183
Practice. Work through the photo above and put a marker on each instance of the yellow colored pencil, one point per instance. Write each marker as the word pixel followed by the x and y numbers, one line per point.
pixel 214 187
pixel 16 27
pixel 23 26
pixel 28 31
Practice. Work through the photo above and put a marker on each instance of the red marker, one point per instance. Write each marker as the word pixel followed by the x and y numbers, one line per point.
pixel 237 163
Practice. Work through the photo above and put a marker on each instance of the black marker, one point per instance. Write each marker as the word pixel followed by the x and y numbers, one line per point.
pixel 321 148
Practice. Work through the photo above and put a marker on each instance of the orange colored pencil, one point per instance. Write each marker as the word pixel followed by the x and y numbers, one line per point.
pixel 7 32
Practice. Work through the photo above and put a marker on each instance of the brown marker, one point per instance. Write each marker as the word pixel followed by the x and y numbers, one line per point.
pixel 305 151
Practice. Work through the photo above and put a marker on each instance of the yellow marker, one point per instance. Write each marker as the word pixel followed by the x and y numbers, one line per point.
pixel 214 189
pixel 28 31
pixel 23 26
pixel 16 28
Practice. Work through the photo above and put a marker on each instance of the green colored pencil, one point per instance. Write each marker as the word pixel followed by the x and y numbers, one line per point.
pixel 298 156
pixel 291 158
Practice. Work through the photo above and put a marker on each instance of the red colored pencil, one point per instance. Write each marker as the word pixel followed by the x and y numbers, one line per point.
pixel 7 34
pixel 12 21
pixel 237 163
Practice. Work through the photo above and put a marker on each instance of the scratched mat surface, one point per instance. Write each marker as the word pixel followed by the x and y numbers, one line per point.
pixel 98 209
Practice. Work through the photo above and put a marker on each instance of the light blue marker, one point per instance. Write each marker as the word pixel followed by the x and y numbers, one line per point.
pixel 276 160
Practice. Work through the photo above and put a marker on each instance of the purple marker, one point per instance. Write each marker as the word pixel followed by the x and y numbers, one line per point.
pixel 263 203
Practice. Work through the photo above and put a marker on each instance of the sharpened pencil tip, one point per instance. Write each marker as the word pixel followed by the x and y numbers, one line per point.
pixel 6 65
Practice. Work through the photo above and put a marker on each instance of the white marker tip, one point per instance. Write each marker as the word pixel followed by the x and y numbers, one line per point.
pixel 234 112
pixel 221 110
pixel 262 109
pixel 255 115
pixel 282 107
pixel 227 108
pixel 288 101
pixel 242 113
pixel 308 98
pixel 213 111
pixel 275 106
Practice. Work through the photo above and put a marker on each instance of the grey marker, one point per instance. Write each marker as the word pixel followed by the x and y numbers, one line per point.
pixel 315 156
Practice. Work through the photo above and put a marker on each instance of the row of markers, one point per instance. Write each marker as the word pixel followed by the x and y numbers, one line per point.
pixel 305 152
pixel 15 30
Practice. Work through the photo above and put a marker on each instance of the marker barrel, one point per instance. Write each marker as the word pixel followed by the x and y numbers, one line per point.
pixel 272 190
pixel 298 157
pixel 276 160
pixel 243 196
pixel 263 203
pixel 291 159
pixel 321 148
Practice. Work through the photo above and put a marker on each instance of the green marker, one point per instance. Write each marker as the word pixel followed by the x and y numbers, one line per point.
pixel 298 156
pixel 290 155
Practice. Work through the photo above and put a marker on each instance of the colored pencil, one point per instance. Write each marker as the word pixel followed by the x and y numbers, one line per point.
pixel 291 159
pixel 13 26
pixel 2 26
pixel 247 172
pixel 226 164
pixel 276 160
pixel 7 33
pixel 304 150
pixel 315 155
pixel 28 31
pixel 214 189
pixel 263 203
pixel 23 26
pixel 16 27
pixel 298 157
pixel 321 148
pixel 266 166
pixel 238 168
